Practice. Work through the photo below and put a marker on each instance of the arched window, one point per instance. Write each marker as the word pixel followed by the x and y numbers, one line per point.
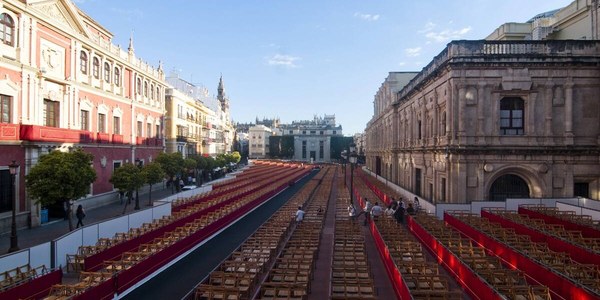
pixel 145 89
pixel 139 86
pixel 508 186
pixel 117 76
pixel 7 29
pixel 96 68
pixel 83 62
pixel 512 112
pixel 106 72
pixel 152 91
pixel 157 93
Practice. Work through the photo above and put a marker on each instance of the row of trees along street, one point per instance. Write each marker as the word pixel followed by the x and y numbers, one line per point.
pixel 65 177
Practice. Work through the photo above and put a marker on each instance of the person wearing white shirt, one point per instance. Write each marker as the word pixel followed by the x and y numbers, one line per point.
pixel 299 214
pixel 376 210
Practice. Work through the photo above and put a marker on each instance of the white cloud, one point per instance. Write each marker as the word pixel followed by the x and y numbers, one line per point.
pixel 447 34
pixel 401 64
pixel 412 52
pixel 429 26
pixel 366 17
pixel 283 60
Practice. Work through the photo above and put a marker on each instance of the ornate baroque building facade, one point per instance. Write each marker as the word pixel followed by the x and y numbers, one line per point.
pixel 63 84
pixel 489 120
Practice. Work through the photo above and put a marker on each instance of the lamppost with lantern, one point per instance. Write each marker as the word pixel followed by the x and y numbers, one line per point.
pixel 14 243
pixel 352 157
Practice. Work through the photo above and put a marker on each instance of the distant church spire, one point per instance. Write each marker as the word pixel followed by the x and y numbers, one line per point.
pixel 221 95
pixel 130 48
pixel 221 88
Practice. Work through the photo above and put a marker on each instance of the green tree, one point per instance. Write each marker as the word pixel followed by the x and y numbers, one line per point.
pixel 210 165
pixel 190 165
pixel 128 178
pixel 235 157
pixel 172 164
pixel 153 174
pixel 61 177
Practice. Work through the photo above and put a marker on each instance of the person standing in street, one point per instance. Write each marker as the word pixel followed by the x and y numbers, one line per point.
pixel 80 214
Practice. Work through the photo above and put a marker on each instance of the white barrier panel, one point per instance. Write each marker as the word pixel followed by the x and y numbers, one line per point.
pixel 441 208
pixel 40 255
pixel 109 228
pixel 569 207
pixel 137 219
pixel 513 204
pixel 67 244
pixel 595 214
pixel 90 235
pixel 589 203
pixel 476 206
pixel 161 210
pixel 13 260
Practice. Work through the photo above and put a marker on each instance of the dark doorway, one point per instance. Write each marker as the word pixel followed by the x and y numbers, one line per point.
pixel 378 165
pixel 581 189
pixel 509 186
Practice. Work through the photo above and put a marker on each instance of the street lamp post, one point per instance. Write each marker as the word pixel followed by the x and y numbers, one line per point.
pixel 344 160
pixel 352 157
pixel 138 163
pixel 14 243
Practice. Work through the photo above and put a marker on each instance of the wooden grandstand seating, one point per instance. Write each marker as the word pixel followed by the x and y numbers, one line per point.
pixel 75 262
pixel 20 275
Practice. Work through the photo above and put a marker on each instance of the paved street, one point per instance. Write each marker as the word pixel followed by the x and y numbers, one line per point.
pixel 56 228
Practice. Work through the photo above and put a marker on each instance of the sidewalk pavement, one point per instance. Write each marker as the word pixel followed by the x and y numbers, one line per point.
pixel 29 237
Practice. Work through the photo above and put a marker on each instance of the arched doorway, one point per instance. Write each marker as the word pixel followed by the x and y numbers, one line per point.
pixel 508 186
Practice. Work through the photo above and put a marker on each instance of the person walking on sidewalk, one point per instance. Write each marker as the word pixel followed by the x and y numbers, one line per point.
pixel 80 214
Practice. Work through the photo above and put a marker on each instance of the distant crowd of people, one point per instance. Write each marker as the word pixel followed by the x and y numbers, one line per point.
pixel 396 210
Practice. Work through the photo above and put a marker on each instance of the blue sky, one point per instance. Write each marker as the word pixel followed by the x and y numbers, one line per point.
pixel 296 59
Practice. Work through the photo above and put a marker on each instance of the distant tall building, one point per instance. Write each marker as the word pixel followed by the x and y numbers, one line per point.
pixel 196 122
pixel 187 118
pixel 312 138
pixel 513 116
pixel 258 137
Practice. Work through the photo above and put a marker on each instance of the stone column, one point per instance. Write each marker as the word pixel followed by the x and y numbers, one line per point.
pixel 569 113
pixel 530 109
pixel 482 102
pixel 548 105
pixel 461 110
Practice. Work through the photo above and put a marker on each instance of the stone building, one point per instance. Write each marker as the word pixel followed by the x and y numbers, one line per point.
pixel 258 140
pixel 489 120
pixel 312 138
pixel 64 85
pixel 187 123
pixel 196 121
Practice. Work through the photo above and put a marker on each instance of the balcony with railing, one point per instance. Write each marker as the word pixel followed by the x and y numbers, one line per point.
pixel 35 133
